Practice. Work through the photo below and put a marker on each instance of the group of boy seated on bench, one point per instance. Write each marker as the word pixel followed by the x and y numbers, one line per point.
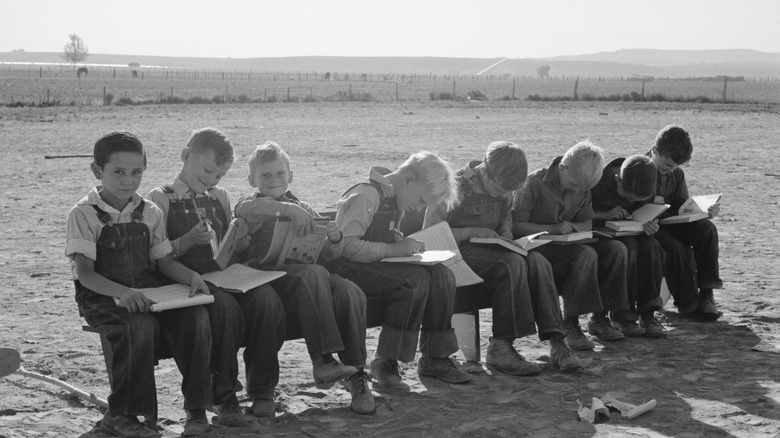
pixel 118 242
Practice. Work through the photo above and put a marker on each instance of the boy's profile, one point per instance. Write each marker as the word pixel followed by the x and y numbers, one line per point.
pixel 523 289
pixel 113 237
pixel 692 249
pixel 419 299
pixel 590 277
pixel 194 206
pixel 625 185
pixel 330 309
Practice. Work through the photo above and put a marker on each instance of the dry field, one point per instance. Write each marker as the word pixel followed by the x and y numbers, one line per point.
pixel 55 84
pixel 708 379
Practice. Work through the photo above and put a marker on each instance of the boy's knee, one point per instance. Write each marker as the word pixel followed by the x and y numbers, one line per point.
pixel 442 278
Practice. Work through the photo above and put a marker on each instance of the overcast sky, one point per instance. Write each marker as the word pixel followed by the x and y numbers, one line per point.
pixel 448 28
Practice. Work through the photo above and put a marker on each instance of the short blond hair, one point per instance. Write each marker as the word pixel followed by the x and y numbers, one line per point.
pixel 586 161
pixel 436 173
pixel 506 164
pixel 210 139
pixel 266 153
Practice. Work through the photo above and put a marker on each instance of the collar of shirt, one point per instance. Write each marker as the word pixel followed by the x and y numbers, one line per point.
pixel 93 198
pixel 182 190
pixel 553 174
pixel 377 174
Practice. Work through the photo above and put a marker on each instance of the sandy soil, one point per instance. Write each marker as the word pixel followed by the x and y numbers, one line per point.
pixel 709 379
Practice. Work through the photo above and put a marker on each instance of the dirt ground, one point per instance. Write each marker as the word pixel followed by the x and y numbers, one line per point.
pixel 718 379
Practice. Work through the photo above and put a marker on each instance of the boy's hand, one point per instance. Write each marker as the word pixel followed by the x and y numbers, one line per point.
pixel 410 246
pixel 134 301
pixel 617 213
pixel 651 227
pixel 197 285
pixel 302 221
pixel 334 232
pixel 481 232
pixel 564 227
pixel 714 210
pixel 200 234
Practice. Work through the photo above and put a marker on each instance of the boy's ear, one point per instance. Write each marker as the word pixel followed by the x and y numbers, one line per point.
pixel 96 170
pixel 408 178
pixel 289 180
pixel 185 154
pixel 251 179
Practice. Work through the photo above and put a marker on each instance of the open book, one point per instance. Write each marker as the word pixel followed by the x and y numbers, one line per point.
pixel 566 239
pixel 694 209
pixel 223 251
pixel 287 248
pixel 237 278
pixel 427 257
pixel 439 238
pixel 639 217
pixel 520 246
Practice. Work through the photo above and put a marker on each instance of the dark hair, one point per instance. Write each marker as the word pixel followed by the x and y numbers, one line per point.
pixel 117 141
pixel 674 142
pixel 639 175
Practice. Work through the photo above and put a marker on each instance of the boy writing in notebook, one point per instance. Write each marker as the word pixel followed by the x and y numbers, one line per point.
pixel 330 309
pixel 692 267
pixel 113 237
pixel 194 206
pixel 523 289
pixel 625 185
pixel 419 298
pixel 591 277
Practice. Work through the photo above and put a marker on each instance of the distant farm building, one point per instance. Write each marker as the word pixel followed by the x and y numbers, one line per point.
pixel 134 66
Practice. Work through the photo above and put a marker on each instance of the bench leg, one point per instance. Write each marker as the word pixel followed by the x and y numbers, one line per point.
pixel 665 294
pixel 466 327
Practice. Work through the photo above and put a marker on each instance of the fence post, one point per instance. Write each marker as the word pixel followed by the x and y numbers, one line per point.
pixel 453 88
pixel 396 91
pixel 514 84
pixel 643 89
pixel 265 94
pixel 725 83
pixel 350 91
pixel 576 84
pixel 114 73
pixel 40 72
pixel 104 96
pixel 288 94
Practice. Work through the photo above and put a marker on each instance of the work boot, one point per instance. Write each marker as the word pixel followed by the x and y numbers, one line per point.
pixel 263 407
pixel 229 414
pixel 707 307
pixel 562 357
pixel 441 368
pixel 599 326
pixel 574 335
pixel 501 354
pixel 385 371
pixel 653 328
pixel 196 423
pixel 329 371
pixel 630 329
pixel 362 400
pixel 125 426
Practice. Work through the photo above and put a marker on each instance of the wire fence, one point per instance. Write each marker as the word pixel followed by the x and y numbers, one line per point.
pixel 59 85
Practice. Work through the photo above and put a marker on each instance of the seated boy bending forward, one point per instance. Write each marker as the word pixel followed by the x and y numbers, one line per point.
pixel 113 236
pixel 331 310
pixel 523 288
pixel 592 277
pixel 416 296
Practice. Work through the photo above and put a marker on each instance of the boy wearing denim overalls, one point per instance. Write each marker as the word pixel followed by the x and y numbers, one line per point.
pixel 590 277
pixel 331 314
pixel 254 319
pixel 416 296
pixel 523 289
pixel 113 239
pixel 625 185
pixel 692 249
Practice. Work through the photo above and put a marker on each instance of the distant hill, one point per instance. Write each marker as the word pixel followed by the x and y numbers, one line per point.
pixel 628 62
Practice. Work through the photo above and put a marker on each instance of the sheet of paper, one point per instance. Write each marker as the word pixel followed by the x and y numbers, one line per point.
pixel 439 237
pixel 238 277
pixel 424 258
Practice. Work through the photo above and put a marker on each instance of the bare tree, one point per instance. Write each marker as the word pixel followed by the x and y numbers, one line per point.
pixel 75 51
pixel 543 71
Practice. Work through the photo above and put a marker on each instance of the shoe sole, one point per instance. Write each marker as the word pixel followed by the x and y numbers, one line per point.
pixel 329 384
pixel 530 373
pixel 455 382
pixel 607 339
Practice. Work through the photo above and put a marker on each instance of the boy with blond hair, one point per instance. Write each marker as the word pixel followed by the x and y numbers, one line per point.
pixel 330 309
pixel 417 297
pixel 194 206
pixel 591 278
pixel 692 249
pixel 113 237
pixel 522 288
pixel 626 184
